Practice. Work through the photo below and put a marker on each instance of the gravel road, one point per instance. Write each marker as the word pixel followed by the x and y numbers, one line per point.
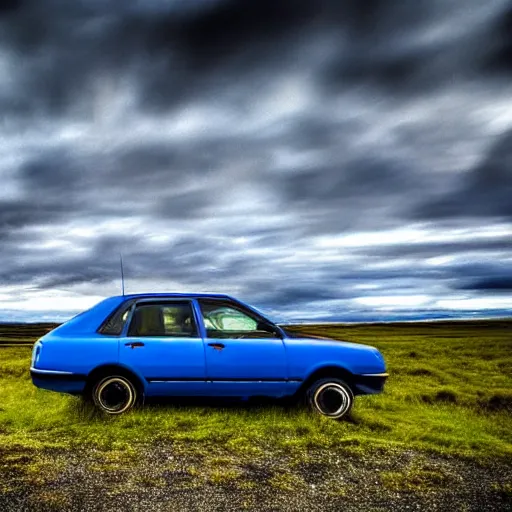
pixel 161 478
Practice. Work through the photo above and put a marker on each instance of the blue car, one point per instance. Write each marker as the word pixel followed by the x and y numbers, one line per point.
pixel 130 347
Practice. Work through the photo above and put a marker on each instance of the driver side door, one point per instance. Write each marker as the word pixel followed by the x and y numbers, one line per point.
pixel 244 355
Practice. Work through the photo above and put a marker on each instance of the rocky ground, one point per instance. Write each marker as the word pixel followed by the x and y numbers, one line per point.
pixel 163 478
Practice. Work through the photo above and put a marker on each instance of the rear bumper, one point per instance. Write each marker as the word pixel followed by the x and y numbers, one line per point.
pixel 63 382
pixel 370 384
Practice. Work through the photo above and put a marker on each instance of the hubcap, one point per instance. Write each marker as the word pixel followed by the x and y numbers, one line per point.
pixel 115 395
pixel 331 399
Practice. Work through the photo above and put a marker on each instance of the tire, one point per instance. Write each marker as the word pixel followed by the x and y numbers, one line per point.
pixel 114 394
pixel 330 397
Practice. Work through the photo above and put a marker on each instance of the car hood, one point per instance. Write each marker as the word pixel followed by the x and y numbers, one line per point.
pixel 319 351
pixel 331 342
pixel 325 343
pixel 297 335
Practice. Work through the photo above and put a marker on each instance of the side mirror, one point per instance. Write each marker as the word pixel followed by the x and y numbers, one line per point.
pixel 263 326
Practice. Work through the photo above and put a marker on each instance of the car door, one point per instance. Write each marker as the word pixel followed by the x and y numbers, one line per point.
pixel 162 344
pixel 245 356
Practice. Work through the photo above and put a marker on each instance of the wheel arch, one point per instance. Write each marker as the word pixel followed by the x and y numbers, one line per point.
pixel 115 369
pixel 326 371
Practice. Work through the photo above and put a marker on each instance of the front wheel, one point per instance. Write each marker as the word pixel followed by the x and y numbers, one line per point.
pixel 114 394
pixel 330 397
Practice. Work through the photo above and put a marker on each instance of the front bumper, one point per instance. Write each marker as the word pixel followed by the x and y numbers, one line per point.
pixel 369 383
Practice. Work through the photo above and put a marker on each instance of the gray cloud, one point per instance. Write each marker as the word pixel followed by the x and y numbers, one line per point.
pixel 279 151
pixel 487 189
pixel 490 284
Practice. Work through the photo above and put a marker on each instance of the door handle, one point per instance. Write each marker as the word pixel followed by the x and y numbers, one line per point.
pixel 134 344
pixel 217 346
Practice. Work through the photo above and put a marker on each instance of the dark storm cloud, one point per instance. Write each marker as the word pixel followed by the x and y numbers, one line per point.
pixel 500 57
pixel 171 57
pixel 491 284
pixel 486 191
pixel 483 270
pixel 229 30
pixel 390 47
pixel 141 260
pixel 219 144
pixel 484 277
pixel 349 199
pixel 10 5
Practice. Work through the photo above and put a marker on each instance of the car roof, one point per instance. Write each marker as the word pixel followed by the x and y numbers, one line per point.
pixel 89 320
pixel 173 295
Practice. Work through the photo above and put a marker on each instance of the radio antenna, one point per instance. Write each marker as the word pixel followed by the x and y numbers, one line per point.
pixel 122 272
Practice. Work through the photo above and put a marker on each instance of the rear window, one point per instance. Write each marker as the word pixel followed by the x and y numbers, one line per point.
pixel 115 323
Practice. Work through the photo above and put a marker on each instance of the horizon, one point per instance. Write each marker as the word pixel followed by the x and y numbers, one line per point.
pixel 418 320
pixel 22 317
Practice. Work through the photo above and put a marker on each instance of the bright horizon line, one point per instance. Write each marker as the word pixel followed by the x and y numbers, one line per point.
pixel 446 318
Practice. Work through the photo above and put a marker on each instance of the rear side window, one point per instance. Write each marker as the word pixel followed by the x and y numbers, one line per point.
pixel 115 323
pixel 171 319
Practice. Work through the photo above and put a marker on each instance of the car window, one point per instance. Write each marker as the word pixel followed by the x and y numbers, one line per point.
pixel 223 321
pixel 167 319
pixel 115 322
pixel 228 319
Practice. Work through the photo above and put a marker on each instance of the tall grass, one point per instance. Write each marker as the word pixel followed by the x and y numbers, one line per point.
pixel 450 391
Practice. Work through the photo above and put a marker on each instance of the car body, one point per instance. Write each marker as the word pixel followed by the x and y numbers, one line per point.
pixel 196 345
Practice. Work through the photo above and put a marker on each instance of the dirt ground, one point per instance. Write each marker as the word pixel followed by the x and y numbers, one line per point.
pixel 157 478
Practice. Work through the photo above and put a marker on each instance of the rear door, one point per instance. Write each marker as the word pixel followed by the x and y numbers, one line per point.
pixel 163 345
pixel 244 355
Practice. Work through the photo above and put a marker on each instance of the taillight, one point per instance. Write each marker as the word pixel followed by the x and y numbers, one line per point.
pixel 36 353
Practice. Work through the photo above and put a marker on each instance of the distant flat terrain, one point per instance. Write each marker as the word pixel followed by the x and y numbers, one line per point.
pixel 440 437
pixel 29 332
pixel 11 333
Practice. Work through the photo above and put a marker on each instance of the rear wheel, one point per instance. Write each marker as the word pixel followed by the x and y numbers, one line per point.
pixel 114 394
pixel 330 397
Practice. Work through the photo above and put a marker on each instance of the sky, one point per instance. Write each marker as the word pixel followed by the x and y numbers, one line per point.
pixel 321 160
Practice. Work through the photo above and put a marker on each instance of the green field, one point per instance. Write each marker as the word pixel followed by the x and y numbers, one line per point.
pixel 441 431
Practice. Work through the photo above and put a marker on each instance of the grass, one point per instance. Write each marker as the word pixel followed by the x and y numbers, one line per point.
pixel 449 393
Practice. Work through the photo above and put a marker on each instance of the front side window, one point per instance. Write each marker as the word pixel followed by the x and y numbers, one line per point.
pixel 223 321
pixel 167 319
